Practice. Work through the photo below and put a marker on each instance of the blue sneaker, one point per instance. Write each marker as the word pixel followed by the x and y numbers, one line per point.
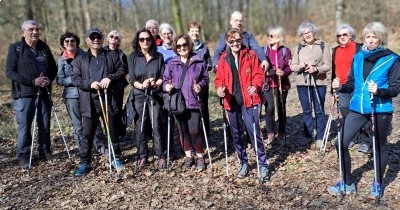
pixel 376 191
pixel 264 174
pixel 117 164
pixel 243 170
pixel 83 169
pixel 341 188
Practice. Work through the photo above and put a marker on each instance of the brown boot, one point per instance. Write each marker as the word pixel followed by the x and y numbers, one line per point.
pixel 188 163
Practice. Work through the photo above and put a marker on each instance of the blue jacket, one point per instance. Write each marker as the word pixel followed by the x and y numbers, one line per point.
pixel 380 66
pixel 248 40
pixel 202 50
pixel 196 71
pixel 64 76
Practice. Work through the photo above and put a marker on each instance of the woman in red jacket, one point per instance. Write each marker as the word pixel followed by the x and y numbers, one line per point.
pixel 238 81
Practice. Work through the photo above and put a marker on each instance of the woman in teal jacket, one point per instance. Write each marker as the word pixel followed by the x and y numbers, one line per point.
pixel 374 78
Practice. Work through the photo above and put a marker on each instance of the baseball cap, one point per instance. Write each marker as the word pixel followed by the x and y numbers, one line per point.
pixel 92 31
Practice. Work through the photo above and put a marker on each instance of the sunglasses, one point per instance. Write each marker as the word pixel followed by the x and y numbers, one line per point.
pixel 67 41
pixel 114 37
pixel 344 35
pixel 235 40
pixel 148 39
pixel 95 36
pixel 179 46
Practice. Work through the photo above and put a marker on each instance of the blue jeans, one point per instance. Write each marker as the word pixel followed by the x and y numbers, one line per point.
pixel 308 99
pixel 25 112
pixel 236 116
pixel 72 105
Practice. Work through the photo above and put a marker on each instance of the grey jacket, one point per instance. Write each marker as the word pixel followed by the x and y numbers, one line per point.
pixel 64 76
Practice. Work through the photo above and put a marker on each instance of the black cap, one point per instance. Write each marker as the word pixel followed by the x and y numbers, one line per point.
pixel 92 31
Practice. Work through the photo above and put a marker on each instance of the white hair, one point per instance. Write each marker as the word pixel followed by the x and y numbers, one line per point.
pixel 28 22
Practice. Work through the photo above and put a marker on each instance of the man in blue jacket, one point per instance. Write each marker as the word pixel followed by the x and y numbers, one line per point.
pixel 32 68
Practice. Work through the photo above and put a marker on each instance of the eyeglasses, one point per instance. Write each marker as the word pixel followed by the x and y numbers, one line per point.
pixel 114 37
pixel 67 41
pixel 344 35
pixel 179 46
pixel 95 36
pixel 148 39
pixel 32 29
pixel 235 40
pixel 271 36
pixel 306 33
pixel 151 28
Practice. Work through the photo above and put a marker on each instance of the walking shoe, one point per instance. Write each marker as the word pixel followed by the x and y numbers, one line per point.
pixel 201 164
pixel 188 163
pixel 162 163
pixel 318 143
pixel 376 191
pixel 117 164
pixel 271 137
pixel 243 170
pixel 46 156
pixel 364 148
pixel 24 163
pixel 83 169
pixel 342 188
pixel 281 136
pixel 141 163
pixel 264 174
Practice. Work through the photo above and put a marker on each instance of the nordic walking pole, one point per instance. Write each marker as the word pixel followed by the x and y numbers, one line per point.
pixel 108 125
pixel 152 123
pixel 169 126
pixel 328 125
pixel 280 96
pixel 255 137
pixel 144 109
pixel 340 147
pixel 375 144
pixel 34 126
pixel 221 100
pixel 58 122
pixel 204 131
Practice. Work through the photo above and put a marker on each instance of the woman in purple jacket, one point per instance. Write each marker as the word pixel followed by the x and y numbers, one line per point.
pixel 277 78
pixel 194 85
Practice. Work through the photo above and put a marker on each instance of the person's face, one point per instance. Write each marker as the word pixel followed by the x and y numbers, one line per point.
pixel 182 46
pixel 114 39
pixel 144 41
pixel 70 44
pixel 372 41
pixel 94 41
pixel 343 37
pixel 31 33
pixel 153 29
pixel 308 36
pixel 273 39
pixel 194 34
pixel 166 36
pixel 237 21
pixel 235 42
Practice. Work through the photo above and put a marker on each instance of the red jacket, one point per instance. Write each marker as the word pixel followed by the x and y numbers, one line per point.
pixel 250 73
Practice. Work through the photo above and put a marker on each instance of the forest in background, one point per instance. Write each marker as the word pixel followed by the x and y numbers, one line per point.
pixel 127 16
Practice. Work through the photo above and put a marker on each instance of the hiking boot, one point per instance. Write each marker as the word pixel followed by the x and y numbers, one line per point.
pixel 264 174
pixel 83 169
pixel 188 163
pixel 376 191
pixel 24 163
pixel 201 164
pixel 141 163
pixel 46 156
pixel 364 148
pixel 318 143
pixel 281 136
pixel 351 144
pixel 341 188
pixel 117 164
pixel 243 170
pixel 162 163
pixel 271 137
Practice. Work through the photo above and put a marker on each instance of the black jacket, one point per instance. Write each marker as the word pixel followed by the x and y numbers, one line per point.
pixel 114 69
pixel 21 69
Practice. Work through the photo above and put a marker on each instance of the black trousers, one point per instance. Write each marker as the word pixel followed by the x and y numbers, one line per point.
pixel 270 110
pixel 90 124
pixel 353 123
pixel 190 133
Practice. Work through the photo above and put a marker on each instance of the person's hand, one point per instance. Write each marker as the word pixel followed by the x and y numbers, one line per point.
pixel 104 83
pixel 95 85
pixel 311 69
pixel 146 83
pixel 372 87
pixel 152 82
pixel 158 83
pixel 42 81
pixel 302 65
pixel 197 88
pixel 265 65
pixel 251 90
pixel 221 91
pixel 279 72
pixel 336 83
pixel 169 87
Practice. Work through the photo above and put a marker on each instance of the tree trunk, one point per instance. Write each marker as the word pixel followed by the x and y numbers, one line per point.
pixel 29 10
pixel 118 13
pixel 339 7
pixel 85 15
pixel 176 10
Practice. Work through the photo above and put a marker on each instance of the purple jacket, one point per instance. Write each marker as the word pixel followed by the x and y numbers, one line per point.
pixel 284 57
pixel 197 70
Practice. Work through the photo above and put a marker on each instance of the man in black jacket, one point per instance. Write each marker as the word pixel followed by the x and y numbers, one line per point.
pixel 32 68
pixel 97 70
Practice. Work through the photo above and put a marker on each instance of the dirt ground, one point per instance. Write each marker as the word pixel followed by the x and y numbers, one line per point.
pixel 299 175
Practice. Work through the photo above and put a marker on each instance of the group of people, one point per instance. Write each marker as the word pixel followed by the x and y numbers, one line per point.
pixel 247 76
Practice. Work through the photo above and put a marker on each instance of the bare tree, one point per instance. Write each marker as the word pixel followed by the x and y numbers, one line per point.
pixel 339 7
pixel 176 12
